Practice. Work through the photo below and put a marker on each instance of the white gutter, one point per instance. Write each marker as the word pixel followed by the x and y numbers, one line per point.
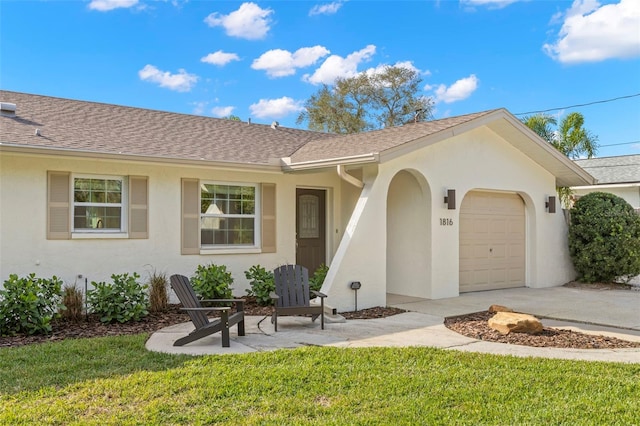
pixel 348 178
pixel 319 164
pixel 609 185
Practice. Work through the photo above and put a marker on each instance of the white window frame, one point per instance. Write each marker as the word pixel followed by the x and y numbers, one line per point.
pixel 123 205
pixel 233 248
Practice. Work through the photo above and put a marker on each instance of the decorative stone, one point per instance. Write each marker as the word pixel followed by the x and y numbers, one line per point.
pixel 499 308
pixel 508 322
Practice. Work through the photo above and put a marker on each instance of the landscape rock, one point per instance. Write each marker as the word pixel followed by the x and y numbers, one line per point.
pixel 511 322
pixel 499 308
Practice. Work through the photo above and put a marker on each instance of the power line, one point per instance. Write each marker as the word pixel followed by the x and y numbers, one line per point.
pixel 623 143
pixel 578 105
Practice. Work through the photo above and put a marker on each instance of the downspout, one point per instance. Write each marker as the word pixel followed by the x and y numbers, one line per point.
pixel 348 178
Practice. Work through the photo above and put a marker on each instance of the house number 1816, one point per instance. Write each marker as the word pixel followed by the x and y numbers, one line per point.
pixel 445 221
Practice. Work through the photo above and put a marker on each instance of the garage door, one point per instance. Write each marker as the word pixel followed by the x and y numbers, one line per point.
pixel 492 241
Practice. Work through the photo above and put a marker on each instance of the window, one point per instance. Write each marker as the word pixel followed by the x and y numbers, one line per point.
pixel 99 204
pixel 228 215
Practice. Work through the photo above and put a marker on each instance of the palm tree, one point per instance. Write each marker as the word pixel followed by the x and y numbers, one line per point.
pixel 570 138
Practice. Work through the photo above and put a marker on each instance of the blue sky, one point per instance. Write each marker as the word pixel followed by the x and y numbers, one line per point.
pixel 262 60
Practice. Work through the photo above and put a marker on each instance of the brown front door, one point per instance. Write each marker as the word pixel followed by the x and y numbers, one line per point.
pixel 310 228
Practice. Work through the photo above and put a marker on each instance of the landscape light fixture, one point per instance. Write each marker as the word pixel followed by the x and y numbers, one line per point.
pixel 355 286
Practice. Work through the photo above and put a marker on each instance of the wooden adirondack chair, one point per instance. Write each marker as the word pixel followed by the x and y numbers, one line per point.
pixel 292 294
pixel 198 314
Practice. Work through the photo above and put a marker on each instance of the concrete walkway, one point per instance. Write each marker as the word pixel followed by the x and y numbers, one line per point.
pixel 606 312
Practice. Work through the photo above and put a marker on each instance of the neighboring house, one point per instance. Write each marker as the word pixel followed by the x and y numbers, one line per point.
pixel 616 175
pixel 94 189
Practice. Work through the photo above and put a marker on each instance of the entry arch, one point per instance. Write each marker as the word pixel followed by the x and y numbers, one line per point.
pixel 408 235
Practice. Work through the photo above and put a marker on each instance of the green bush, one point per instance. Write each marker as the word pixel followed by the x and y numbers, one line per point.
pixel 72 299
pixel 604 238
pixel 125 299
pixel 212 282
pixel 315 282
pixel 27 305
pixel 261 282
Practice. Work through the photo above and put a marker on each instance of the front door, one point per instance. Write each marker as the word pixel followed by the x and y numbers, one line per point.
pixel 310 228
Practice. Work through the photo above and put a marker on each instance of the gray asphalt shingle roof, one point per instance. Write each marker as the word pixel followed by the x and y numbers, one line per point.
pixel 610 170
pixel 112 129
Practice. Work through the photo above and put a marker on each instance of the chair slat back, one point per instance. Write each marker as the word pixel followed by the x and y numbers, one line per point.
pixel 292 285
pixel 183 289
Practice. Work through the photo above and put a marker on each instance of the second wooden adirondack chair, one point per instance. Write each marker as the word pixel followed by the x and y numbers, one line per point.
pixel 292 294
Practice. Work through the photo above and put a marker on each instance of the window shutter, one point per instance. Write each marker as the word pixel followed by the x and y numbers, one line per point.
pixel 138 207
pixel 58 205
pixel 190 229
pixel 268 218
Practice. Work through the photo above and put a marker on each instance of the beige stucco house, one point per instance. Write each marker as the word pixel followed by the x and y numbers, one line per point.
pixel 425 210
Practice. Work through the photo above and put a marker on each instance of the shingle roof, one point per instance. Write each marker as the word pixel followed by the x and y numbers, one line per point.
pixel 376 141
pixel 112 129
pixel 610 170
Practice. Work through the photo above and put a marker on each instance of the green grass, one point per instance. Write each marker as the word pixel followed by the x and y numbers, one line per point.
pixel 116 381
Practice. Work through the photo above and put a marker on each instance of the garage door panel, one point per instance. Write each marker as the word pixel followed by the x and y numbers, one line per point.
pixel 492 241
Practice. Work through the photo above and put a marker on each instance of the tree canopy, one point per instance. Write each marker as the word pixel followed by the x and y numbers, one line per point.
pixel 367 101
pixel 569 137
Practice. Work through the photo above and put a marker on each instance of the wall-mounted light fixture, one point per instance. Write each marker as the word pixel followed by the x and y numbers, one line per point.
pixel 550 204
pixel 450 199
pixel 355 286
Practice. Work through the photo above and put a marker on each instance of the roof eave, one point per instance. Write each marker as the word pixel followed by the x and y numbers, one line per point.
pixel 288 166
pixel 273 166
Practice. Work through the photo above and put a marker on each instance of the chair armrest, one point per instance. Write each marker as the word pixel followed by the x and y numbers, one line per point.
pixel 239 302
pixel 210 309
pixel 317 293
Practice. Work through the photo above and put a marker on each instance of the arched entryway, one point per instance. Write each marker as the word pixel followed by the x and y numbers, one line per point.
pixel 408 235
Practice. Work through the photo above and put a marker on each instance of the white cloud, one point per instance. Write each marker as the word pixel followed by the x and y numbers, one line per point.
pixel 280 63
pixel 107 5
pixel 325 9
pixel 592 33
pixel 275 108
pixel 492 4
pixel 249 21
pixel 199 107
pixel 336 66
pixel 458 91
pixel 180 82
pixel 222 111
pixel 220 58
pixel 403 64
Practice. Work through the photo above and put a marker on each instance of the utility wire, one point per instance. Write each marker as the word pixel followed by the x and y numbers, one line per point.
pixel 623 143
pixel 578 105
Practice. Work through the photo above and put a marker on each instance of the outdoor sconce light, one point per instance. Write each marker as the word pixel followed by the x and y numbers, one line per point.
pixel 551 204
pixel 450 199
pixel 355 286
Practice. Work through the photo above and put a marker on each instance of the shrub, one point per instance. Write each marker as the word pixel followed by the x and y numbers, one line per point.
pixel 261 282
pixel 125 299
pixel 604 238
pixel 212 282
pixel 72 299
pixel 158 297
pixel 27 305
pixel 315 282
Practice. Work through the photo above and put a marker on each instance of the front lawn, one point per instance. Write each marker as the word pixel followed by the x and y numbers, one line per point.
pixel 114 380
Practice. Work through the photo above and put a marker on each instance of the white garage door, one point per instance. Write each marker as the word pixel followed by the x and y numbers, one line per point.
pixel 492 241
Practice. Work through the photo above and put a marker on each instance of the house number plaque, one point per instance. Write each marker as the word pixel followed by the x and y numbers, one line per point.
pixel 445 221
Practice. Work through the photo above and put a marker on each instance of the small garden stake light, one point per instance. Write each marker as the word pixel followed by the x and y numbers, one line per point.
pixel 355 286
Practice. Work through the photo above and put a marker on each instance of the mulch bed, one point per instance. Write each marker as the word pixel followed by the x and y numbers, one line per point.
pixel 472 325
pixel 475 326
pixel 92 327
